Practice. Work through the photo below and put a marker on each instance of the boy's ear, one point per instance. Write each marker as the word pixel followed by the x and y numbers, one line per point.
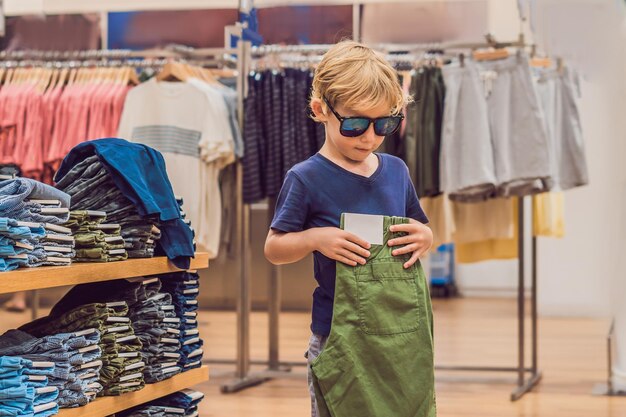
pixel 318 110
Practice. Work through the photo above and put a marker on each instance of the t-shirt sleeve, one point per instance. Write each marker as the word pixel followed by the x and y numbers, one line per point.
pixel 413 207
pixel 292 205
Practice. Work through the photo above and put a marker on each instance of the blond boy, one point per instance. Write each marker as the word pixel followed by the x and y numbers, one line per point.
pixel 357 96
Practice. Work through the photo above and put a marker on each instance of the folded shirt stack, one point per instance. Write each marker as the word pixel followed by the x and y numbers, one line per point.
pixel 156 324
pixel 76 359
pixel 93 189
pixel 121 367
pixel 179 404
pixel 29 211
pixel 24 389
pixel 152 315
pixel 22 198
pixel 184 288
pixel 138 172
pixel 95 240
pixel 58 244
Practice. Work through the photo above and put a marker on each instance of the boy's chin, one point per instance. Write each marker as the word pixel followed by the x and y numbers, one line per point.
pixel 357 156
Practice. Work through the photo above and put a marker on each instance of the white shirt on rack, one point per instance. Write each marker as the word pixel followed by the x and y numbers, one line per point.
pixel 190 128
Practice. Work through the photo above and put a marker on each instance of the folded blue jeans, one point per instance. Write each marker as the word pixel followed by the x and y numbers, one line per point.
pixel 14 192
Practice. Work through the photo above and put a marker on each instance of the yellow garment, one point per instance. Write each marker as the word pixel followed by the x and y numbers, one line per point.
pixel 491 249
pixel 441 220
pixel 487 220
pixel 548 215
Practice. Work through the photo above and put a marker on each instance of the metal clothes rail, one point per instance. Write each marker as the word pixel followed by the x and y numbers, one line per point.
pixel 527 376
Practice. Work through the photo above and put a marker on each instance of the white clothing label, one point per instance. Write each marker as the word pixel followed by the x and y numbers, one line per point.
pixel 366 226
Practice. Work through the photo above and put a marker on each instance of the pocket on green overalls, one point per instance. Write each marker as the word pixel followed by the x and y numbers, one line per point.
pixel 388 297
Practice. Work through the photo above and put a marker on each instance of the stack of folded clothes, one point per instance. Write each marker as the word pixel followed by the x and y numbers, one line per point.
pixel 58 244
pixel 182 403
pixel 156 324
pixel 95 240
pixel 93 190
pixel 153 319
pixel 30 211
pixel 184 288
pixel 24 389
pixel 121 366
pixel 73 359
pixel 129 182
pixel 140 238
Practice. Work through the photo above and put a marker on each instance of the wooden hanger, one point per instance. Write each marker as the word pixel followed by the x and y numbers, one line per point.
pixel 54 77
pixel 222 72
pixel 541 62
pixel 131 77
pixel 9 76
pixel 120 75
pixel 63 77
pixel 112 75
pixel 490 54
pixel 173 71
pixel 45 79
pixel 21 76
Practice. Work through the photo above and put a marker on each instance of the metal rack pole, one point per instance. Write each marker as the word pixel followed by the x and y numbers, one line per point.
pixel 521 299
pixel 244 302
pixel 273 306
pixel 535 336
pixel 243 306
pixel 526 385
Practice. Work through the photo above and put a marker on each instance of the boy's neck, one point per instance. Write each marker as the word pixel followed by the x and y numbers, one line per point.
pixel 365 168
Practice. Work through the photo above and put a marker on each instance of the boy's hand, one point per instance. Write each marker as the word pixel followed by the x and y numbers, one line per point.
pixel 418 240
pixel 340 245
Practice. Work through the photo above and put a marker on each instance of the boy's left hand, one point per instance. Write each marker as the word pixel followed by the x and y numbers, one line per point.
pixel 418 240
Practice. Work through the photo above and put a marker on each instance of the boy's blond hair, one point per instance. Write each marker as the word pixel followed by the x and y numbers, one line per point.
pixel 357 77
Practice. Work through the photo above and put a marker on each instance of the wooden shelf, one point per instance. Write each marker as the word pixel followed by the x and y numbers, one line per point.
pixel 105 406
pixel 80 273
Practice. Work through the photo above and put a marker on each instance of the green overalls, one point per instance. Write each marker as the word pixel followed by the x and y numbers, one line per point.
pixel 378 360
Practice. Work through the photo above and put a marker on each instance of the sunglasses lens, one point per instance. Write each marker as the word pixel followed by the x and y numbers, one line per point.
pixel 354 126
pixel 386 125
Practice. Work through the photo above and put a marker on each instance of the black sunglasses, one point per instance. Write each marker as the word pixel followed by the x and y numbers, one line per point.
pixel 356 126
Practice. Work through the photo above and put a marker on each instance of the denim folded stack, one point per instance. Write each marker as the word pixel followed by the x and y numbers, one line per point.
pixel 58 244
pixel 92 188
pixel 121 367
pixel 184 288
pixel 18 243
pixel 155 322
pixel 153 319
pixel 29 200
pixel 95 240
pixel 29 210
pixel 179 404
pixel 75 358
pixel 24 389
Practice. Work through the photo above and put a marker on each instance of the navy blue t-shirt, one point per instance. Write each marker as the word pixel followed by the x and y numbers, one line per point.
pixel 315 194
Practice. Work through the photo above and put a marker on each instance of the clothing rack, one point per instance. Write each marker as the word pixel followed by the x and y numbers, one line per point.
pixel 527 377
pixel 151 58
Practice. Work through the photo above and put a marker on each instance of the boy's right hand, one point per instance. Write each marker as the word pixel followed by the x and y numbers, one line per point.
pixel 340 245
